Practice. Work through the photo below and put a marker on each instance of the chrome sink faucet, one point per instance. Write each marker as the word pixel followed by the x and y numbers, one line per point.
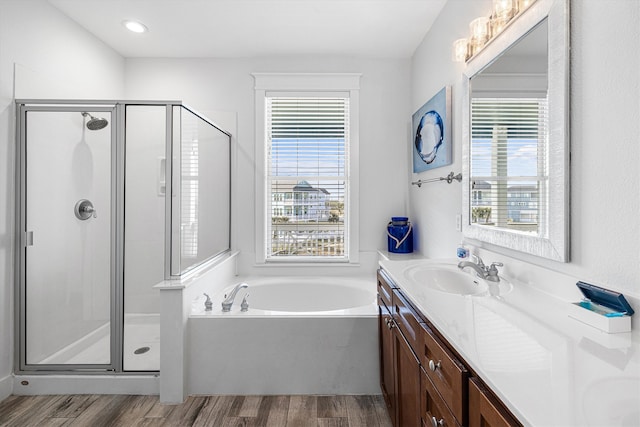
pixel 228 299
pixel 489 273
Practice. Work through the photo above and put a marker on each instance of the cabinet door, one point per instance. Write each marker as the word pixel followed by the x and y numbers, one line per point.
pixel 407 383
pixel 485 410
pixel 387 376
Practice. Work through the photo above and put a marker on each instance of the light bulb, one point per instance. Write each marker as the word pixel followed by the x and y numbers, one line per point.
pixel 460 49
pixel 135 26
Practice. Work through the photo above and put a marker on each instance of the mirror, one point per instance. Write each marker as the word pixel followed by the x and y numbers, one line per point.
pixel 516 136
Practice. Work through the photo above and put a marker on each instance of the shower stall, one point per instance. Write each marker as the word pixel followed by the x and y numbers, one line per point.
pixel 113 197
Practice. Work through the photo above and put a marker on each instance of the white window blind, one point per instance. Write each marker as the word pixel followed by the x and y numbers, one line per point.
pixel 307 152
pixel 509 171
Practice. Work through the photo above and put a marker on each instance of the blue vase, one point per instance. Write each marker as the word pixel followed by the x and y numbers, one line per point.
pixel 400 235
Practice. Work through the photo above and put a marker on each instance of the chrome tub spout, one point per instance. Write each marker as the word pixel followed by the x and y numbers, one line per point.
pixel 228 299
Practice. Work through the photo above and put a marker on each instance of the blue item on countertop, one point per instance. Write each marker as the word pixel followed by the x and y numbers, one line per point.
pixel 614 301
pixel 618 314
pixel 462 252
pixel 400 235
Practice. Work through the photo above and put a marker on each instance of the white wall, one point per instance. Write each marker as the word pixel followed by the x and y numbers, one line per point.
pixel 213 86
pixel 53 58
pixel 605 174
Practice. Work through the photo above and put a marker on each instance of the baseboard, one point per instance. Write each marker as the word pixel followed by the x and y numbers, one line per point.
pixel 6 387
pixel 31 385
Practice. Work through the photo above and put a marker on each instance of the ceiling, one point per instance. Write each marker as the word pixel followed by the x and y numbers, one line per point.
pixel 255 28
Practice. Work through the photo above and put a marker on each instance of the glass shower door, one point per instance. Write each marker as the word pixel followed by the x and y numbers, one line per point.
pixel 67 160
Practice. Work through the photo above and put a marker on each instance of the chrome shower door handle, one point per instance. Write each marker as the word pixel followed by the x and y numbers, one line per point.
pixel 84 210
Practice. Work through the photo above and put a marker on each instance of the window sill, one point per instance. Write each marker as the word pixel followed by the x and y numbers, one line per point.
pixel 305 264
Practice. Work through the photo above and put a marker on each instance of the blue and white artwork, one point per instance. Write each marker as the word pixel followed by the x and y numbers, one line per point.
pixel 432 133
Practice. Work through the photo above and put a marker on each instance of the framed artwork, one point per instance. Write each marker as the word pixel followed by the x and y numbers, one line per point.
pixel 432 133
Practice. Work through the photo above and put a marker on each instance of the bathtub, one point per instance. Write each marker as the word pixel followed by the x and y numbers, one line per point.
pixel 297 296
pixel 299 336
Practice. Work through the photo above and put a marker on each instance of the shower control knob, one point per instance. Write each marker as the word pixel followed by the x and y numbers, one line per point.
pixel 84 210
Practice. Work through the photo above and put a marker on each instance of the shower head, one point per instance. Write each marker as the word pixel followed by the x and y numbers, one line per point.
pixel 95 123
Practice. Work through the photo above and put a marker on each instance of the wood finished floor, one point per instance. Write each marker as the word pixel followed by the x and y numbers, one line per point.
pixel 210 411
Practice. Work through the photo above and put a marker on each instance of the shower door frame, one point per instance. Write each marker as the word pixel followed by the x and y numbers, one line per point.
pixel 117 108
pixel 116 233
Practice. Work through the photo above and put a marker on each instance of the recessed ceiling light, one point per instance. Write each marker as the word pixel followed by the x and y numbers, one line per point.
pixel 135 26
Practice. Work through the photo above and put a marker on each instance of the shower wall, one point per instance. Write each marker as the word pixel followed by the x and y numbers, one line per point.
pixel 68 265
pixel 144 206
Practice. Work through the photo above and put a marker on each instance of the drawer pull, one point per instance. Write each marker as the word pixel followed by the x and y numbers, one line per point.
pixel 433 366
pixel 436 423
pixel 389 323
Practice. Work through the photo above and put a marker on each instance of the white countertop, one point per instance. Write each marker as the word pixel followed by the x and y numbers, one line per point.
pixel 547 368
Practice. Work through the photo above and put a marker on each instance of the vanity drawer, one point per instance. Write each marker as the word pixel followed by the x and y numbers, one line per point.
pixel 407 320
pixel 383 309
pixel 433 410
pixel 385 290
pixel 445 371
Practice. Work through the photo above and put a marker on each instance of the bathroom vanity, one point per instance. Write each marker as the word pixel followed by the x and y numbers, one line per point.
pixel 458 351
pixel 423 381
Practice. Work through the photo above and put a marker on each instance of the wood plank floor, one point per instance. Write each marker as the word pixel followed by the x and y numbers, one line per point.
pixel 209 411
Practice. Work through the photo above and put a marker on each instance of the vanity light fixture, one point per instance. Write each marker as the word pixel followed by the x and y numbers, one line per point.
pixel 135 26
pixel 460 50
pixel 483 29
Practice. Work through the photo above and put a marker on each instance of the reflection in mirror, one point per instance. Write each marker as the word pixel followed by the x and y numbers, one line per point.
pixel 516 133
pixel 509 141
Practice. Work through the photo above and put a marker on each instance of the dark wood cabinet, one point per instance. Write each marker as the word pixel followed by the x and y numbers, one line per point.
pixel 446 372
pixel 386 339
pixel 423 380
pixel 399 365
pixel 485 410
pixel 407 369
pixel 434 411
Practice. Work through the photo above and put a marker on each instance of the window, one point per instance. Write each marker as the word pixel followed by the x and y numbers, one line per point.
pixel 307 134
pixel 307 145
pixel 509 152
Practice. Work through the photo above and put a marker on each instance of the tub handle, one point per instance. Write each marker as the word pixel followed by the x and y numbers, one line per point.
pixel 208 305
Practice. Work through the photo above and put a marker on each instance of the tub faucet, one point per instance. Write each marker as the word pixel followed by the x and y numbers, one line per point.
pixel 489 273
pixel 228 299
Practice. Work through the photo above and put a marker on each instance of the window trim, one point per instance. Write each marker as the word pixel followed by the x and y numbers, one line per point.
pixel 302 84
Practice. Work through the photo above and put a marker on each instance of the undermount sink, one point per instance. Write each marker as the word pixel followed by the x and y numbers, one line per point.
pixel 446 278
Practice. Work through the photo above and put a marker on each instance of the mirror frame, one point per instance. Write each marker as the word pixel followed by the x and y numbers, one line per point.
pixel 556 245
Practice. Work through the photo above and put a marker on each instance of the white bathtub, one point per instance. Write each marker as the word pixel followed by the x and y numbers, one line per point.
pixel 297 296
pixel 299 336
